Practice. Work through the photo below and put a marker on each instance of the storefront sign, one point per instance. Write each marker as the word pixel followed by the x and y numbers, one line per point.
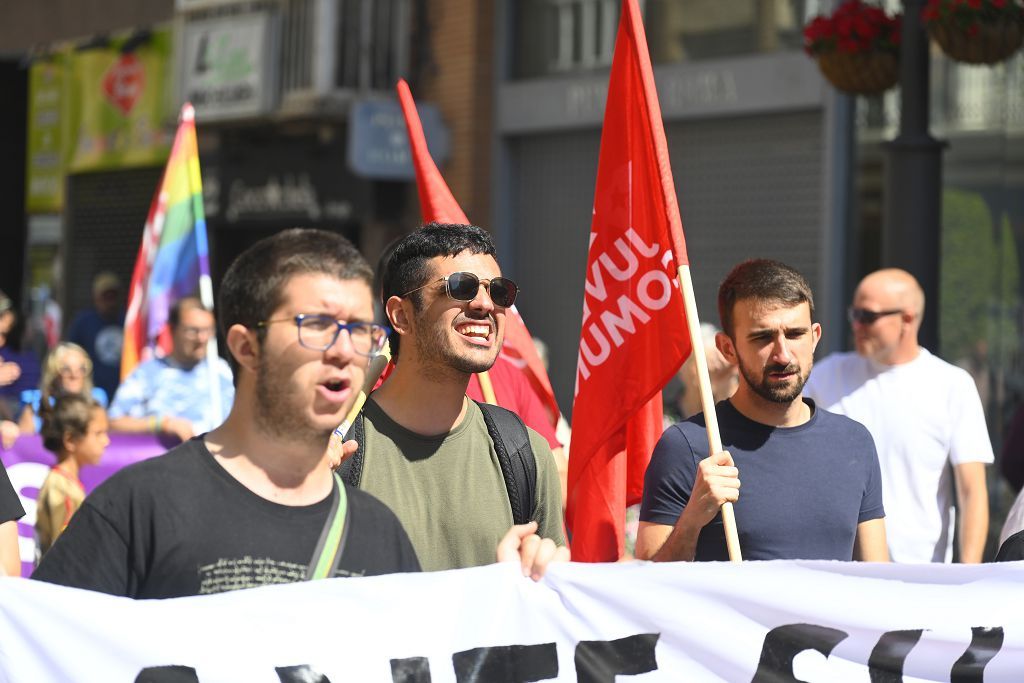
pixel 119 105
pixel 379 144
pixel 299 180
pixel 45 168
pixel 225 67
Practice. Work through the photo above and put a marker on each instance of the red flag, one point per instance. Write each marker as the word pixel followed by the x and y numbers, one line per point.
pixel 634 335
pixel 438 204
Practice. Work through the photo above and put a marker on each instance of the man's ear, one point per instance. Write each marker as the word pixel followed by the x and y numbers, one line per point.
pixel 816 335
pixel 726 347
pixel 399 314
pixel 244 346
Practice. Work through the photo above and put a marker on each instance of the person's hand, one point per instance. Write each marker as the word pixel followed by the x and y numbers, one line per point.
pixel 522 544
pixel 339 451
pixel 717 483
pixel 178 426
pixel 9 433
pixel 9 373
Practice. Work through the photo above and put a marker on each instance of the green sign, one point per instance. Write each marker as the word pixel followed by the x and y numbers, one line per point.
pixel 44 191
pixel 120 106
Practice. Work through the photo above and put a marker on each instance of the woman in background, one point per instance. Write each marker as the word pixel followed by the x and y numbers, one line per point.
pixel 66 371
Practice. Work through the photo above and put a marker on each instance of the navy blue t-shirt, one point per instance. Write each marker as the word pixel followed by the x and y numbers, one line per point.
pixel 803 489
pixel 102 339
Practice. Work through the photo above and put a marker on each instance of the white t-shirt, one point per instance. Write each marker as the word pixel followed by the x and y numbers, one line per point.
pixel 924 415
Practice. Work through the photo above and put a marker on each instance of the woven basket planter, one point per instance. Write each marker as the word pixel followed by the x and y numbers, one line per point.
pixel 863 73
pixel 993 42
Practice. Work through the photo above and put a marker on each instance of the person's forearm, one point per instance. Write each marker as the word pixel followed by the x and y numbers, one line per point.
pixel 27 421
pixel 681 544
pixel 10 554
pixel 973 526
pixel 136 425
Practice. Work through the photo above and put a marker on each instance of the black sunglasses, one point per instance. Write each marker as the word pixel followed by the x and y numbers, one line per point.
pixel 866 317
pixel 463 286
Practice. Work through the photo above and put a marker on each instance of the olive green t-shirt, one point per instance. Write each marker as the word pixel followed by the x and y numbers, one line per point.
pixel 448 491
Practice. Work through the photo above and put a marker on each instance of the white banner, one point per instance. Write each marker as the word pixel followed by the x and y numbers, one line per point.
pixel 759 621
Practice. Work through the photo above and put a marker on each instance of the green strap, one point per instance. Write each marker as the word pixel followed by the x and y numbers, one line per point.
pixel 331 546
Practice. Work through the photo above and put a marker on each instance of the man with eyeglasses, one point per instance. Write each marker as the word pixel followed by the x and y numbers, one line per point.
pixel 254 502
pixel 427 451
pixel 926 418
pixel 172 395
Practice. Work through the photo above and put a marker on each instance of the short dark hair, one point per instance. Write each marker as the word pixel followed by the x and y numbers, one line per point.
pixel 761 280
pixel 70 413
pixel 405 268
pixel 253 286
pixel 183 304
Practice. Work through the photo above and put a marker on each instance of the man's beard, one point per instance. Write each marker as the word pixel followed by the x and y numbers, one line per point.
pixel 434 348
pixel 277 414
pixel 776 393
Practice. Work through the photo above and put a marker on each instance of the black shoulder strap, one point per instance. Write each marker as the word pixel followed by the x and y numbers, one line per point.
pixel 351 470
pixel 515 455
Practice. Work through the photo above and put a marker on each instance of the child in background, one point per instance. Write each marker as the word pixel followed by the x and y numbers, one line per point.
pixel 75 429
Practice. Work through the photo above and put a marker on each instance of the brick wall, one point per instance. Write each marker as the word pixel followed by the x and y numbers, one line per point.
pixel 460 80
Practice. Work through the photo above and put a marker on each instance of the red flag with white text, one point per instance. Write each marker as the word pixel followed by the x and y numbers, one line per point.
pixel 634 335
pixel 438 204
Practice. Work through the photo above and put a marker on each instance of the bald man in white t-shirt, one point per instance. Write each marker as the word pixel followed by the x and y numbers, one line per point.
pixel 926 418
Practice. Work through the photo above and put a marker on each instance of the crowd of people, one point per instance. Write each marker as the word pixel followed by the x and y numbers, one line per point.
pixel 862 456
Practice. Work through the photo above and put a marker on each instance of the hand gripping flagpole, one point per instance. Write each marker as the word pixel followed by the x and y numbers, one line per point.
pixel 707 401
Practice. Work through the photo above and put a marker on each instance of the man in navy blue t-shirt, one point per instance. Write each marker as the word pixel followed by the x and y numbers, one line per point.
pixel 812 487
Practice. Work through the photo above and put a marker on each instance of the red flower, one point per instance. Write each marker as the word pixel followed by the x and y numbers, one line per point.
pixel 998 4
pixel 853 28
pixel 974 4
pixel 972 30
pixel 848 45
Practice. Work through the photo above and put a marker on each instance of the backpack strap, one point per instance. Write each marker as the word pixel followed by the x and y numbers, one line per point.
pixel 351 470
pixel 515 455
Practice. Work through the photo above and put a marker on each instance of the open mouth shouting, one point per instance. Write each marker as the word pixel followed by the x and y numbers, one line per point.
pixel 335 390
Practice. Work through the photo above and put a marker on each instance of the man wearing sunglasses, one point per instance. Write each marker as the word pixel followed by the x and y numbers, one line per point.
pixel 924 414
pixel 427 452
pixel 254 502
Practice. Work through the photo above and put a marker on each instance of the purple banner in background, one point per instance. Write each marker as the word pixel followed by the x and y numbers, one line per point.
pixel 28 463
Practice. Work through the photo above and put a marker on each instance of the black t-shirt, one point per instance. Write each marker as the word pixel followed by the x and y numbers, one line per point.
pixel 10 504
pixel 804 489
pixel 180 525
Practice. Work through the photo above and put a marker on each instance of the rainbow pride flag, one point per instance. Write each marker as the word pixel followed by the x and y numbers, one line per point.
pixel 173 260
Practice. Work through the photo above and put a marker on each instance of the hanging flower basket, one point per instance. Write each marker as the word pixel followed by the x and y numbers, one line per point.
pixel 857 47
pixel 867 73
pixel 976 31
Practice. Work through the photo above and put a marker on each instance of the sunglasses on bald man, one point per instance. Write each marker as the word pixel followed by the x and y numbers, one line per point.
pixel 866 317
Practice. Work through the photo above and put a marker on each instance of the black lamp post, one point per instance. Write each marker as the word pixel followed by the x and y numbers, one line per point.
pixel 911 228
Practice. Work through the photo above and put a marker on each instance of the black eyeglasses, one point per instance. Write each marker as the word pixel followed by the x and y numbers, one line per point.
pixel 320 332
pixel 866 317
pixel 464 287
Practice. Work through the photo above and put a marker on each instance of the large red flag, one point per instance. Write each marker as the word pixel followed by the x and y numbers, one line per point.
pixel 438 204
pixel 634 335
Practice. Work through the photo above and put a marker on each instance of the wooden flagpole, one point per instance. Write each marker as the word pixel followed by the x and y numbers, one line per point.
pixel 707 401
pixel 487 388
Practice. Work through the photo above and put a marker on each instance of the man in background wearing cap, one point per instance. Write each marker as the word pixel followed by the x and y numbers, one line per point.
pixel 100 331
